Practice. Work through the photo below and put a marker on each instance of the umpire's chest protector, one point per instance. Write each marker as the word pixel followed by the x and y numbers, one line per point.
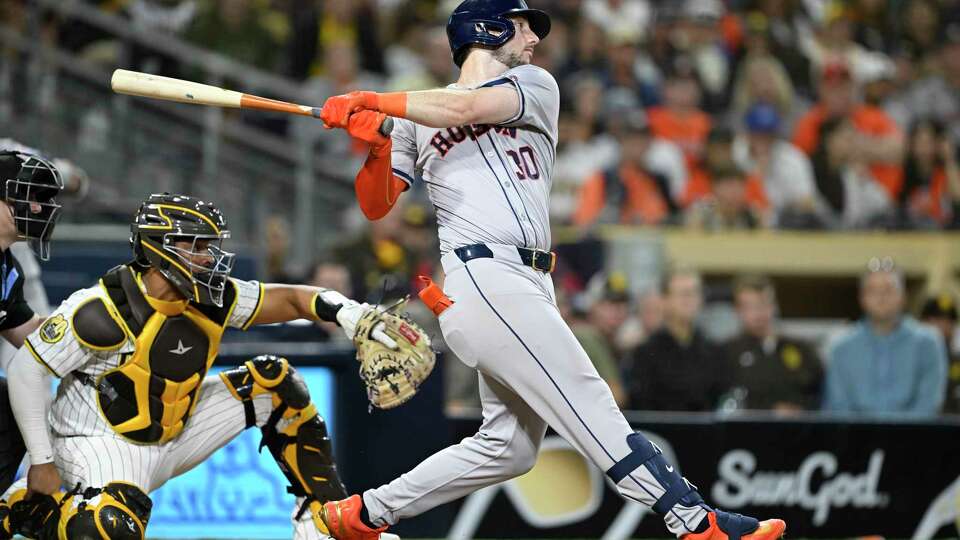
pixel 149 396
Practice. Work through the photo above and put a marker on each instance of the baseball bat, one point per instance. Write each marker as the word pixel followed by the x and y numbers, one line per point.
pixel 135 83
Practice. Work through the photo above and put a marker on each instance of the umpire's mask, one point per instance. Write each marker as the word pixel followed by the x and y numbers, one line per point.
pixel 30 188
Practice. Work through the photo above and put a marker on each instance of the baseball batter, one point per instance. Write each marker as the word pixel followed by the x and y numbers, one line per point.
pixel 485 148
pixel 135 407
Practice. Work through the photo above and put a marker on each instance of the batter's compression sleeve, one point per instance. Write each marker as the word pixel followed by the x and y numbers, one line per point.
pixel 27 385
pixel 377 186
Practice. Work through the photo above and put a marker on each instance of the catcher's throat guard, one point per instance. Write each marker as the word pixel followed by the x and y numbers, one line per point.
pixel 392 376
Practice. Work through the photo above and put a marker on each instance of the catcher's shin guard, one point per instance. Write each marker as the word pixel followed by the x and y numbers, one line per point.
pixel 295 434
pixel 117 511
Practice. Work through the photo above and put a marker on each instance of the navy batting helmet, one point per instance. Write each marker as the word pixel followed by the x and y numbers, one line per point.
pixel 485 22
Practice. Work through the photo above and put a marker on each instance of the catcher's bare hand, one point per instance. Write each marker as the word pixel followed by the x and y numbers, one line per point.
pixel 43 479
pixel 350 314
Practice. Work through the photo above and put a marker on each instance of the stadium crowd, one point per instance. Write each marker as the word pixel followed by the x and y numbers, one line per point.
pixel 744 114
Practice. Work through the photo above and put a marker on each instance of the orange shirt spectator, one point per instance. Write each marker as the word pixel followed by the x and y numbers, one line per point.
pixel 627 192
pixel 869 120
pixel 688 129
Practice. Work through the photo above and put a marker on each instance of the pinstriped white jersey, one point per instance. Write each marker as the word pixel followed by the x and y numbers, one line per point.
pixel 55 345
pixel 489 184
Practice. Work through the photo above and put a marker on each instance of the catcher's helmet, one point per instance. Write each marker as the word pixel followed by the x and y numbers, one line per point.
pixel 485 22
pixel 165 220
pixel 30 186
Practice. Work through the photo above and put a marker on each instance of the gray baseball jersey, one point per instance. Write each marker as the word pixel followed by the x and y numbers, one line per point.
pixel 489 184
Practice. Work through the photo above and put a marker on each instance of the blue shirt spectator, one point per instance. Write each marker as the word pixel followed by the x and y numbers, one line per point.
pixel 888 363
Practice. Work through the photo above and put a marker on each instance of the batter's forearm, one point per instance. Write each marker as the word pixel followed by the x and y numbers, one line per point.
pixel 449 107
pixel 442 108
pixel 27 388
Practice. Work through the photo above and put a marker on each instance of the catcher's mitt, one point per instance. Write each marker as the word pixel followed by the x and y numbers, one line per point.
pixel 392 376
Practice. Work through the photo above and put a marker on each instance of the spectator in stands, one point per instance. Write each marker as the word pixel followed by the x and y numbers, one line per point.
pixel 627 193
pixel 677 368
pixel 931 190
pixel 381 265
pixel 588 55
pixel 717 154
pixel 650 312
pixel 937 95
pixel 679 118
pixel 780 175
pixel 330 275
pixel 851 197
pixel 761 77
pixel 941 312
pixel 788 25
pixel 887 362
pixel 876 142
pixel 631 79
pixel 920 30
pixel 583 149
pixel 432 61
pixel 598 333
pixel 728 206
pixel 618 15
pixel 697 35
pixel 245 30
pixel 874 25
pixel 833 44
pixel 277 242
pixel 775 371
pixel 318 25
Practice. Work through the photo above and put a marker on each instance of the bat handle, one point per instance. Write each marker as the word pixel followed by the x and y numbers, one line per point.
pixel 386 128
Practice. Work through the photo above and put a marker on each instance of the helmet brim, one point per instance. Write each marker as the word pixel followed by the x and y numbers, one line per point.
pixel 539 20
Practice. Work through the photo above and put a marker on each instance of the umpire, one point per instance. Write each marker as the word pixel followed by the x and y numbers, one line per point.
pixel 28 212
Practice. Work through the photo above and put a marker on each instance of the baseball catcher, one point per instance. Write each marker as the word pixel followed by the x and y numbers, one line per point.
pixel 136 406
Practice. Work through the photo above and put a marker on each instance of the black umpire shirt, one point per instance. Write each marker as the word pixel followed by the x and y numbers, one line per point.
pixel 780 370
pixel 14 311
pixel 670 376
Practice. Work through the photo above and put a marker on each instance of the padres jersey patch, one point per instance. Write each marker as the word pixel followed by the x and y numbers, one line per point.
pixel 54 329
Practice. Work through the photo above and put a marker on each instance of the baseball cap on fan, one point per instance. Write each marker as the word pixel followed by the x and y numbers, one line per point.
pixel 763 118
pixel 942 306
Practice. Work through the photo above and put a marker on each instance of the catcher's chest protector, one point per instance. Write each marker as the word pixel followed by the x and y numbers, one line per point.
pixel 148 398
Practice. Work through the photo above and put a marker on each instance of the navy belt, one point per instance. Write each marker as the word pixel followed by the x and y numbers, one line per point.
pixel 543 261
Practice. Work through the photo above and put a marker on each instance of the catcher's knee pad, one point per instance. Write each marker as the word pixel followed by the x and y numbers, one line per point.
pixel 117 511
pixel 295 434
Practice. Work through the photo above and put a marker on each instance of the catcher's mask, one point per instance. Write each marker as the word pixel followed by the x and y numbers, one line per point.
pixel 182 237
pixel 30 187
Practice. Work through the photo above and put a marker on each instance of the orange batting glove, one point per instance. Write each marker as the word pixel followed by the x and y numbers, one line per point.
pixel 365 125
pixel 337 109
